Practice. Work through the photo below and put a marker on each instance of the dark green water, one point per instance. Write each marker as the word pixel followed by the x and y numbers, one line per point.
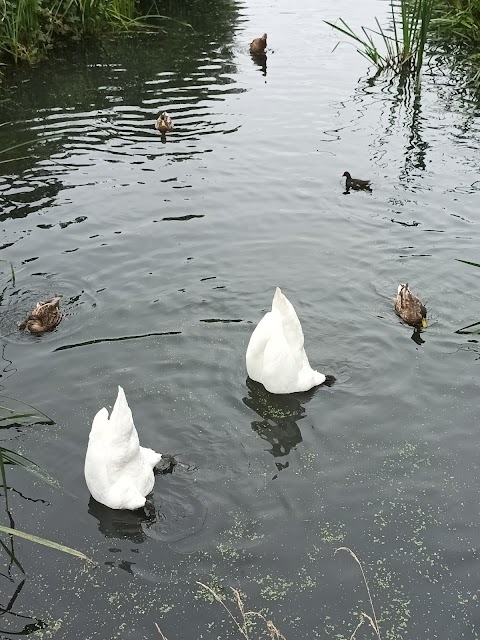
pixel 167 255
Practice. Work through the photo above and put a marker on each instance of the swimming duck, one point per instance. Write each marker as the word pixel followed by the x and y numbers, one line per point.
pixel 44 317
pixel 409 307
pixel 118 471
pixel 355 183
pixel 275 354
pixel 164 123
pixel 258 46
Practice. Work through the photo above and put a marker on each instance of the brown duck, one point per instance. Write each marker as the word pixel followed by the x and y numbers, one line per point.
pixel 258 46
pixel 164 123
pixel 44 317
pixel 355 183
pixel 409 307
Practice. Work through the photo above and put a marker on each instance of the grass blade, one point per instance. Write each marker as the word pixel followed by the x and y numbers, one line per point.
pixel 4 477
pixel 12 270
pixel 16 416
pixel 7 456
pixel 47 543
pixel 474 264
pixel 12 557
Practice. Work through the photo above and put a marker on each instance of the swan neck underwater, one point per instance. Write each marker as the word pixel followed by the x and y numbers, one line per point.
pixel 118 471
pixel 275 354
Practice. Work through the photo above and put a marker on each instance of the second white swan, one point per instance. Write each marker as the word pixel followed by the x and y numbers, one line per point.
pixel 275 353
pixel 118 471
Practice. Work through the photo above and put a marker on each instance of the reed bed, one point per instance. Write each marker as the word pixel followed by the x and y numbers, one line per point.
pixel 29 28
pixel 399 47
pixel 459 19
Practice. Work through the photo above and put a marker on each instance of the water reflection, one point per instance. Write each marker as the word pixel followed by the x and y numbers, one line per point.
pixel 8 613
pixel 280 414
pixel 417 337
pixel 405 97
pixel 260 60
pixel 114 523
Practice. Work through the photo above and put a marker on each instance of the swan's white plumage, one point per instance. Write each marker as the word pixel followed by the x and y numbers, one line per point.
pixel 118 471
pixel 275 353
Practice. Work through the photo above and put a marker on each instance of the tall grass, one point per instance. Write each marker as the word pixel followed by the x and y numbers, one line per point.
pixel 456 25
pixel 458 18
pixel 29 28
pixel 400 47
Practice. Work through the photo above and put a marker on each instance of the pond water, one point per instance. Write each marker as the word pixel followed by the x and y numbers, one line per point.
pixel 166 257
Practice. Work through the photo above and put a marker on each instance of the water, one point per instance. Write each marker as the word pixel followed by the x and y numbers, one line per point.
pixel 167 255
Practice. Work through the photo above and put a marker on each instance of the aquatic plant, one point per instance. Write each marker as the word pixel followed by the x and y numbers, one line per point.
pixel 458 18
pixel 473 328
pixel 243 622
pixel 9 457
pixel 456 25
pixel 371 620
pixel 12 271
pixel 399 48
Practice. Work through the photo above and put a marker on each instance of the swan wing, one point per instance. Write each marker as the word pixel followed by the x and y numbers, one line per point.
pixel 291 326
pixel 262 333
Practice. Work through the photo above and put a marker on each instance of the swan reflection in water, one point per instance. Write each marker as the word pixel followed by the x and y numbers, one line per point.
pixel 280 414
pixel 122 523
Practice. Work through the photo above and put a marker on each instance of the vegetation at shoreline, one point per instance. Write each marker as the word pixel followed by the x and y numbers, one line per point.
pixel 452 26
pixel 30 28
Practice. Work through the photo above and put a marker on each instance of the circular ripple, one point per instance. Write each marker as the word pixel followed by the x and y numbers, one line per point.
pixel 178 513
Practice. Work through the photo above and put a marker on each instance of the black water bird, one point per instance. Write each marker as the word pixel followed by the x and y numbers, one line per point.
pixel 355 183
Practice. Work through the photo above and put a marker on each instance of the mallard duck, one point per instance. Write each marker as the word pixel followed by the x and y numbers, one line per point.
pixel 355 183
pixel 409 307
pixel 44 317
pixel 275 354
pixel 118 471
pixel 258 46
pixel 164 123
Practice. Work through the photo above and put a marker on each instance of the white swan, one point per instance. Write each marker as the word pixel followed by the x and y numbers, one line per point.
pixel 118 471
pixel 275 353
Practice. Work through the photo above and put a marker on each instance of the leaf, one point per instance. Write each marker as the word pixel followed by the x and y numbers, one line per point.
pixel 47 543
pixel 20 415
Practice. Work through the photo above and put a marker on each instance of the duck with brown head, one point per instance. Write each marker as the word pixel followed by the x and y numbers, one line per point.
pixel 409 307
pixel 164 123
pixel 45 317
pixel 258 46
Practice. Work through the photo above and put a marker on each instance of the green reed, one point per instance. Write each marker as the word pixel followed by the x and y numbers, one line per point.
pixel 400 47
pixel 458 18
pixel 456 25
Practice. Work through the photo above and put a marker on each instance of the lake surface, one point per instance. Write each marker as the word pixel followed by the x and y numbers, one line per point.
pixel 166 257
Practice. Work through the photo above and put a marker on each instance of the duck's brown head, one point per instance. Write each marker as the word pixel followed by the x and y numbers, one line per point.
pixel 33 324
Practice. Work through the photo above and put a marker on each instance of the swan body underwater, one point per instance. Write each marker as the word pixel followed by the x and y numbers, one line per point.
pixel 275 354
pixel 118 471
